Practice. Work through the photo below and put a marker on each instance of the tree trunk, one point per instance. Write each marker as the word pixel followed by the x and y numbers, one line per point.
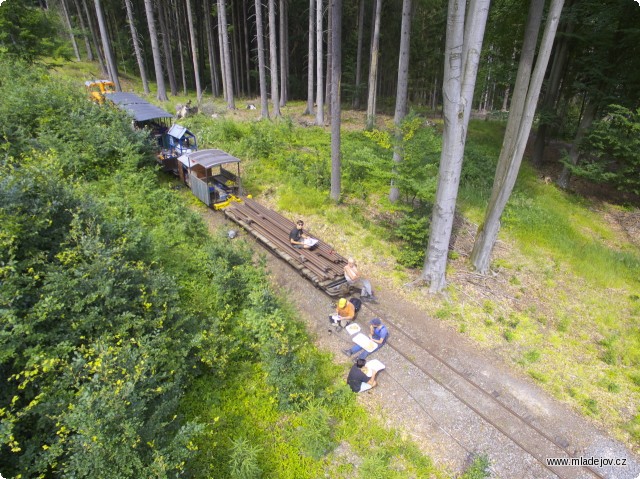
pixel 87 43
pixel 136 47
pixel 94 36
pixel 67 21
pixel 319 60
pixel 310 59
pixel 373 69
pixel 283 52
pixel 247 50
pixel 327 90
pixel 264 101
pixel 211 49
pixel 273 57
pixel 163 17
pixel 463 47
pixel 223 66
pixel 178 28
pixel 235 53
pixel 574 152
pixel 401 94
pixel 336 73
pixel 231 105
pixel 194 51
pixel 155 50
pixel 522 110
pixel 356 92
pixel 106 45
pixel 558 68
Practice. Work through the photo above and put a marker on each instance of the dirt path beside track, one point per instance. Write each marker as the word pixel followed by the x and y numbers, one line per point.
pixel 452 399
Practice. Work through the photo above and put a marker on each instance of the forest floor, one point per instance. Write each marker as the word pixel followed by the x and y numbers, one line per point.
pixel 453 399
pixel 454 396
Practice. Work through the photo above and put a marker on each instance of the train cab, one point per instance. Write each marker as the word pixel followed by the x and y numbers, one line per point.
pixel 212 175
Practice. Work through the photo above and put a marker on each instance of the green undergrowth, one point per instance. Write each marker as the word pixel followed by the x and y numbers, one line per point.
pixel 569 313
pixel 576 276
pixel 135 344
pixel 247 435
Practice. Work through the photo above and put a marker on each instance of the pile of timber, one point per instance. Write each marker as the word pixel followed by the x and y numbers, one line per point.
pixel 321 265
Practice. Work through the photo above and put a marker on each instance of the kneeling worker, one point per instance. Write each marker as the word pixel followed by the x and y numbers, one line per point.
pixel 346 311
pixel 357 380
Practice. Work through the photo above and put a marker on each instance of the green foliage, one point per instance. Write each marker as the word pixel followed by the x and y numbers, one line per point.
pixel 244 460
pixel 315 434
pixel 611 151
pixel 479 468
pixel 28 33
pixel 413 229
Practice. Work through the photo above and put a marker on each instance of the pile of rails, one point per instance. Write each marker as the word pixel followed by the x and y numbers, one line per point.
pixel 321 265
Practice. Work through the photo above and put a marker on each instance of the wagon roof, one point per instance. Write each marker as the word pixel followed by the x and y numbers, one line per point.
pixel 209 158
pixel 140 109
pixel 178 131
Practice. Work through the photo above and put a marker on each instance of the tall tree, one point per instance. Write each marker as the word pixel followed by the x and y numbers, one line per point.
pixel 336 74
pixel 356 92
pixel 94 36
pixel 401 92
pixel 319 61
pixel 222 15
pixel 552 91
pixel 211 50
pixel 373 67
pixel 194 51
pixel 67 21
pixel 136 47
pixel 164 17
pixel 247 50
pixel 155 50
pixel 87 42
pixel 310 58
pixel 284 52
pixel 462 55
pixel 523 106
pixel 264 101
pixel 106 46
pixel 273 57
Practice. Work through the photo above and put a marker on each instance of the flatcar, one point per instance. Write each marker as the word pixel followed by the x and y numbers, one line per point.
pixel 213 176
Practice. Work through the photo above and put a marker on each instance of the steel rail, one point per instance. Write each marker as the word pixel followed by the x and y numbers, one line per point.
pixel 568 472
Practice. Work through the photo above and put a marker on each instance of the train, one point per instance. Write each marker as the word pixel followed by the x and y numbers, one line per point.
pixel 213 176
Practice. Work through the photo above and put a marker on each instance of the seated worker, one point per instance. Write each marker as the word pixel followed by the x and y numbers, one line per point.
pixel 378 333
pixel 353 277
pixel 357 380
pixel 346 311
pixel 297 236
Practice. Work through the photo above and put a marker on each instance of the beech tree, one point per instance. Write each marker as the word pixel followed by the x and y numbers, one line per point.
pixel 356 92
pixel 194 52
pixel 523 108
pixel 310 59
pixel 336 73
pixel 273 57
pixel 136 47
pixel 155 50
pixel 401 94
pixel 264 101
pixel 319 59
pixel 226 55
pixel 462 54
pixel 67 21
pixel 373 68
pixel 106 45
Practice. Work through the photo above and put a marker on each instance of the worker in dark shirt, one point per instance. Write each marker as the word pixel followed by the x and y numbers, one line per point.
pixel 357 380
pixel 297 236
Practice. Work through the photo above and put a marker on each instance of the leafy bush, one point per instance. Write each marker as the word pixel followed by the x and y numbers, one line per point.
pixel 611 150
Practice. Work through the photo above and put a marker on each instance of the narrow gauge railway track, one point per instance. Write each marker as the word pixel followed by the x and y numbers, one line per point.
pixel 518 428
